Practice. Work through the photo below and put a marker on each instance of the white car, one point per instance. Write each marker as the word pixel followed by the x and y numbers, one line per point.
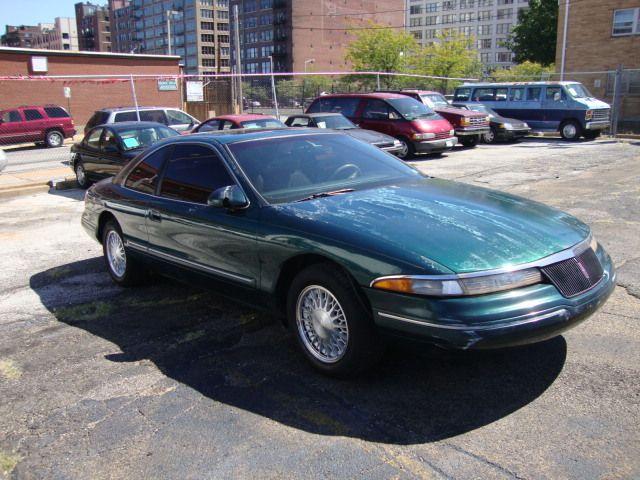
pixel 171 117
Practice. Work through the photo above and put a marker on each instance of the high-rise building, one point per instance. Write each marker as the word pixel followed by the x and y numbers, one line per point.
pixel 61 35
pixel 198 31
pixel 94 27
pixel 19 36
pixel 305 34
pixel 488 21
pixel 122 26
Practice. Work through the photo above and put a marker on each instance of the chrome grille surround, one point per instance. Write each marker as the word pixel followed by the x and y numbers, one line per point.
pixel 575 275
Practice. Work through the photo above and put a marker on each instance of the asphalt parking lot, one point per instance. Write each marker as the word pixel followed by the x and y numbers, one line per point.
pixel 169 381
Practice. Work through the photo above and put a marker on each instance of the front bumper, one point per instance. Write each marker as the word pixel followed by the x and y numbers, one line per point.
pixel 505 319
pixel 434 146
pixel 512 134
pixel 597 125
pixel 465 131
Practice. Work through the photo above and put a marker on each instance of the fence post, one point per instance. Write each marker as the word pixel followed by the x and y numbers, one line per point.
pixel 378 80
pixel 617 99
pixel 135 97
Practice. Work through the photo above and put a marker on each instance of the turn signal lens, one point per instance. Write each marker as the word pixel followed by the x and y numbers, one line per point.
pixel 594 244
pixel 465 121
pixel 417 286
pixel 588 115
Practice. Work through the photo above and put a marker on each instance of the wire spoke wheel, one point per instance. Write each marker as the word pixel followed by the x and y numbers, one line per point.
pixel 322 324
pixel 116 255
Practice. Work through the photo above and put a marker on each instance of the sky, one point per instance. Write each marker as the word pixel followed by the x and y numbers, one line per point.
pixel 32 12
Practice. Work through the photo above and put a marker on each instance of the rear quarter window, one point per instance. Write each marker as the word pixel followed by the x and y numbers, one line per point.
pixel 344 105
pixel 462 94
pixel 56 112
pixel 97 118
pixel 126 117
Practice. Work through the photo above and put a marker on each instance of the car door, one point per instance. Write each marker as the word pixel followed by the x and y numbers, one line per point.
pixel 90 153
pixel 184 230
pixel 12 127
pixel 376 116
pixel 35 124
pixel 111 158
pixel 554 104
pixel 154 116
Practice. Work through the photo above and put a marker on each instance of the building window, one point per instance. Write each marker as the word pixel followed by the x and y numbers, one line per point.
pixel 503 57
pixel 451 18
pixel 208 50
pixel 485 57
pixel 467 17
pixel 266 51
pixel 467 3
pixel 206 25
pixel 208 38
pixel 208 62
pixel 484 29
pixel 505 2
pixel 626 22
pixel 504 13
pixel 223 38
pixel 503 28
pixel 224 51
pixel 223 27
pixel 484 15
pixel 431 20
pixel 449 5
pixel 204 3
pixel 417 34
pixel 222 4
pixel 484 43
pixel 224 62
pixel 204 13
pixel 415 22
pixel 432 7
pixel 415 10
pixel 222 14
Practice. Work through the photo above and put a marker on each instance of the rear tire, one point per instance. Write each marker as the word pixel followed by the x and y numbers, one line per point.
pixel 570 130
pixel 408 150
pixel 54 139
pixel 332 326
pixel 470 141
pixel 81 175
pixel 124 270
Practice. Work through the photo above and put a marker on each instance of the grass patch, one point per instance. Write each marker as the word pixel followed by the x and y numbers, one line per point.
pixel 8 462
pixel 9 370
pixel 86 311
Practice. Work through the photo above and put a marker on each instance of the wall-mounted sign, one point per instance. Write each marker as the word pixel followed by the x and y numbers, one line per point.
pixel 39 65
pixel 67 92
pixel 195 92
pixel 168 85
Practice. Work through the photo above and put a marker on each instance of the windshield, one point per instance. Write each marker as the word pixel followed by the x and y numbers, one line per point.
pixel 133 138
pixel 410 108
pixel 434 100
pixel 577 90
pixel 293 168
pixel 338 122
pixel 262 123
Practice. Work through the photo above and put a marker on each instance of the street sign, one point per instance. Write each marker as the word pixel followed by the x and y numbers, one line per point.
pixel 67 92
pixel 195 92
pixel 168 85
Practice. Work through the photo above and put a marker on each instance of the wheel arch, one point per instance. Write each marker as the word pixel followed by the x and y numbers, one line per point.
pixel 104 217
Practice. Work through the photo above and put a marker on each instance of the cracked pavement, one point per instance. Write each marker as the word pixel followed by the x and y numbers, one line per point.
pixel 170 381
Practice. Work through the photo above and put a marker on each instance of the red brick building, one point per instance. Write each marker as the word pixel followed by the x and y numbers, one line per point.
pixel 87 94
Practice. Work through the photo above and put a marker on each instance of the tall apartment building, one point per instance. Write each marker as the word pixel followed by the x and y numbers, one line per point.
pixel 122 26
pixel 19 36
pixel 94 27
pixel 61 35
pixel 489 21
pixel 305 34
pixel 199 32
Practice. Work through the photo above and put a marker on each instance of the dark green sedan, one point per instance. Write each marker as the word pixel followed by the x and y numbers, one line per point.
pixel 349 243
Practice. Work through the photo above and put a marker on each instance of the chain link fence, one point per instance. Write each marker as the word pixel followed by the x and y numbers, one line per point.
pixel 36 113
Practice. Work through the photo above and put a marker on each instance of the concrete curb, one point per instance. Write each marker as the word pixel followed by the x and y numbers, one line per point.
pixel 36 187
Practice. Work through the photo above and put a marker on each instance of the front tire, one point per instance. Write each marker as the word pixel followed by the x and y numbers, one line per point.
pixel 570 130
pixel 54 139
pixel 124 270
pixel 332 326
pixel 490 136
pixel 470 141
pixel 407 151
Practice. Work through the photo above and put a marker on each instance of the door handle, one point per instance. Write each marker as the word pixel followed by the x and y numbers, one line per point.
pixel 154 215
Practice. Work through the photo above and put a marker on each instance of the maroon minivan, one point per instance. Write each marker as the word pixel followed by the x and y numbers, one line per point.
pixel 418 127
pixel 49 124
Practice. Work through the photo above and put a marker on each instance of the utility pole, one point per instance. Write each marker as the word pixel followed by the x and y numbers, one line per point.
pixel 564 37
pixel 169 14
pixel 236 26
pixel 273 88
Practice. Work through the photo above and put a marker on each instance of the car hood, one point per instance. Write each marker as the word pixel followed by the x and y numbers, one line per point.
pixel 593 103
pixel 368 136
pixel 459 111
pixel 513 121
pixel 458 226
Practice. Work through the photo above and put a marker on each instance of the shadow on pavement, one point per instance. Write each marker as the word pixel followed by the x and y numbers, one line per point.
pixel 73 193
pixel 244 358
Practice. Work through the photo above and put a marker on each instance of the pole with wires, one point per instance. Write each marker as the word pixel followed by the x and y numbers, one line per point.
pixel 135 97
pixel 236 27
pixel 273 88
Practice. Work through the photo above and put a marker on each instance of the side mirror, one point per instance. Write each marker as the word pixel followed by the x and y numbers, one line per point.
pixel 231 197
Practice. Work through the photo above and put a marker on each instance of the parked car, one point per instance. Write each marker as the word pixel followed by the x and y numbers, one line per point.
pixel 245 120
pixel 49 124
pixel 3 160
pixel 418 128
pixel 348 242
pixel 337 121
pixel 565 107
pixel 502 128
pixel 105 149
pixel 171 117
pixel 469 126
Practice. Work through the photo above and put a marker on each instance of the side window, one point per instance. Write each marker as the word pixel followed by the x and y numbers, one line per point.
pixel 56 112
pixel 93 140
pixel 376 110
pixel 501 94
pixel 345 106
pixel 554 94
pixel 126 117
pixel 32 114
pixel 209 126
pixel 109 140
pixel 484 94
pixel 228 125
pixel 300 122
pixel 144 177
pixel 153 116
pixel 533 93
pixel 516 94
pixel 462 94
pixel 176 117
pixel 11 116
pixel 192 173
pixel 98 118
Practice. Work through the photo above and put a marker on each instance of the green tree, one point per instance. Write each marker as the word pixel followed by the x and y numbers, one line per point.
pixel 534 37
pixel 524 72
pixel 381 49
pixel 451 55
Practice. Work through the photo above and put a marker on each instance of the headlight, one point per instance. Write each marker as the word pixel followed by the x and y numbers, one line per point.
pixel 507 126
pixel 452 132
pixel 424 136
pixel 461 286
pixel 588 115
pixel 396 143
pixel 465 121
pixel 487 118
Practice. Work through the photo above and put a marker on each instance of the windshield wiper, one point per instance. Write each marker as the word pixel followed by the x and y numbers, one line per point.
pixel 325 194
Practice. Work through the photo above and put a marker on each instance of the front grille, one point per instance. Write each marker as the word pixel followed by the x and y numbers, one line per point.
pixel 575 275
pixel 478 121
pixel 601 114
pixel 442 135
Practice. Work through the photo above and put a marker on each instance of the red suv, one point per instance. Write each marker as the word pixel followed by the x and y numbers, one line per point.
pixel 469 126
pixel 418 127
pixel 50 125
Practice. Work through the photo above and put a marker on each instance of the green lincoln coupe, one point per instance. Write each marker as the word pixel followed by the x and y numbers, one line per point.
pixel 349 243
